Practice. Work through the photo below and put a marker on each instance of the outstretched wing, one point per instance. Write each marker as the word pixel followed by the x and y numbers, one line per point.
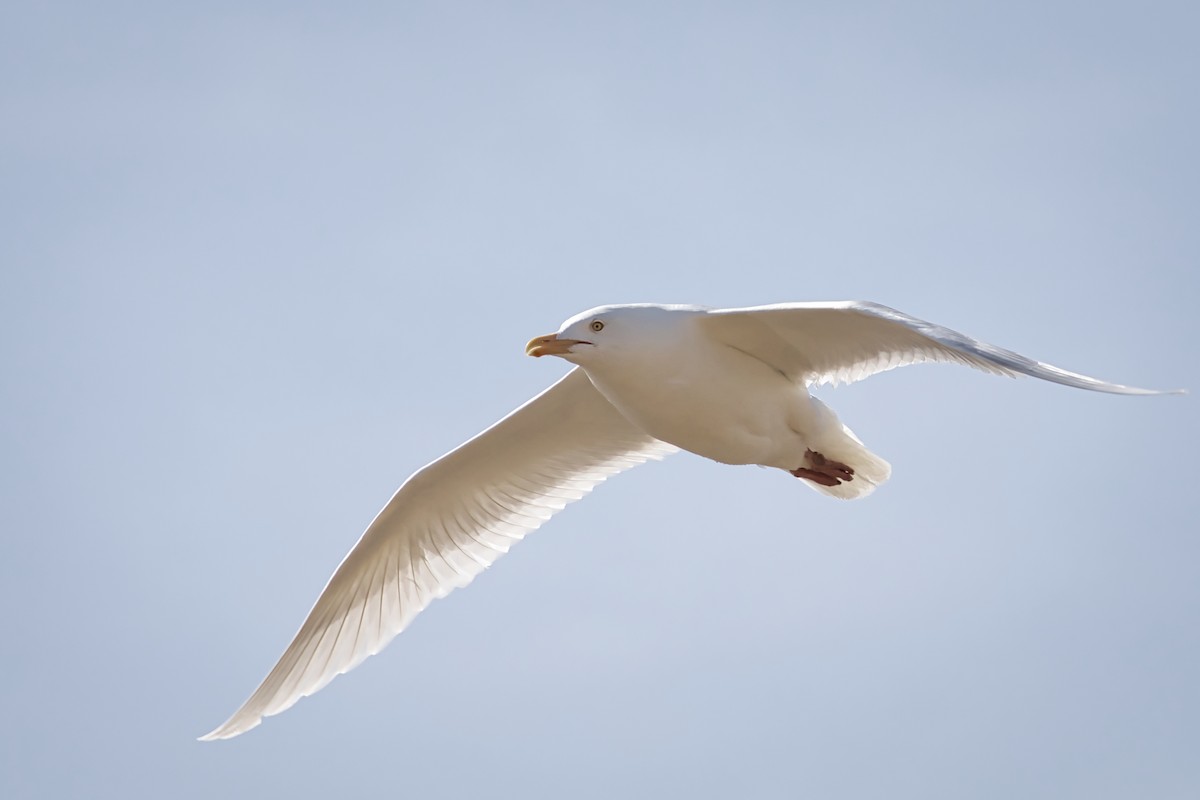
pixel 847 341
pixel 445 525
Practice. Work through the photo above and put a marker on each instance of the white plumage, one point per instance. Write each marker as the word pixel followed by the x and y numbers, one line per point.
pixel 727 384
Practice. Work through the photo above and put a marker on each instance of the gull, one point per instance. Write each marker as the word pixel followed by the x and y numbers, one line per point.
pixel 728 384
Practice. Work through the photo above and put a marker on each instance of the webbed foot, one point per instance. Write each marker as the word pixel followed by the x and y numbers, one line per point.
pixel 821 470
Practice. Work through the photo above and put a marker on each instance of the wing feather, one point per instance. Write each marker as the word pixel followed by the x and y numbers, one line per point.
pixel 445 525
pixel 843 342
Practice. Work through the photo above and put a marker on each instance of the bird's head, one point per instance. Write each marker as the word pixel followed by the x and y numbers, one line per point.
pixel 606 332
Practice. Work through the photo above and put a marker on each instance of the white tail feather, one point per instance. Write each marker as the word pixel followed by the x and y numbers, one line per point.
pixel 870 470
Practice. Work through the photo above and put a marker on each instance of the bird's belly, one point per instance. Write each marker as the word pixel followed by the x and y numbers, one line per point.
pixel 735 415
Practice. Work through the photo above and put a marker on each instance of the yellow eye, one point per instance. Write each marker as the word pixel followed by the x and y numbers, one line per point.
pixel 597 325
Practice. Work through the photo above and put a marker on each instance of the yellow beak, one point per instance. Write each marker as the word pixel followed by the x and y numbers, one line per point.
pixel 550 346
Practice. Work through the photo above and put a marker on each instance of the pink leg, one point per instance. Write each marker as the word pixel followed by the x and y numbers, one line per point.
pixel 821 470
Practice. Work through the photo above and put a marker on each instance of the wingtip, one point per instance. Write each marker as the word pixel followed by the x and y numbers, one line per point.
pixel 1163 392
pixel 1155 392
pixel 229 729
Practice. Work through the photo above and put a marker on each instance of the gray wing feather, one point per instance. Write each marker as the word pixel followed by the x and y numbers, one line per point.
pixel 842 342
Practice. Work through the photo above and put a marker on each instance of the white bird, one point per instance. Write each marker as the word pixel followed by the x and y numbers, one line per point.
pixel 727 384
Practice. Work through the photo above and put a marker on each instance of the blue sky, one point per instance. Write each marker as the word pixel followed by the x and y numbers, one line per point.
pixel 260 261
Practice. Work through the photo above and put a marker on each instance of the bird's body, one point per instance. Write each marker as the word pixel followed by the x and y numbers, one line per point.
pixel 669 391
pixel 723 403
pixel 731 385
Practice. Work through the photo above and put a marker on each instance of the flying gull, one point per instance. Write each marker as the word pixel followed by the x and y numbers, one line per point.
pixel 729 384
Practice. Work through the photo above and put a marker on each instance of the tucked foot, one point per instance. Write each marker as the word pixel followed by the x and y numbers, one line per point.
pixel 821 470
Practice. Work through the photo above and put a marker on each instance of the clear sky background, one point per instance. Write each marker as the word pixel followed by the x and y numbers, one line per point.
pixel 262 260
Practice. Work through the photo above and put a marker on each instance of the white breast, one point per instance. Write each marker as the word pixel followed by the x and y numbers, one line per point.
pixel 710 399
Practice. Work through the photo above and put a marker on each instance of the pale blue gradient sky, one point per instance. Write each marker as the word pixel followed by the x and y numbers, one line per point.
pixel 262 260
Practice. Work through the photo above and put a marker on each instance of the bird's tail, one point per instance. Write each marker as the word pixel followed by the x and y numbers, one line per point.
pixel 869 469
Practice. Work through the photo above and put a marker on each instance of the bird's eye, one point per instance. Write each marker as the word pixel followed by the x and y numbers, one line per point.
pixel 597 325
